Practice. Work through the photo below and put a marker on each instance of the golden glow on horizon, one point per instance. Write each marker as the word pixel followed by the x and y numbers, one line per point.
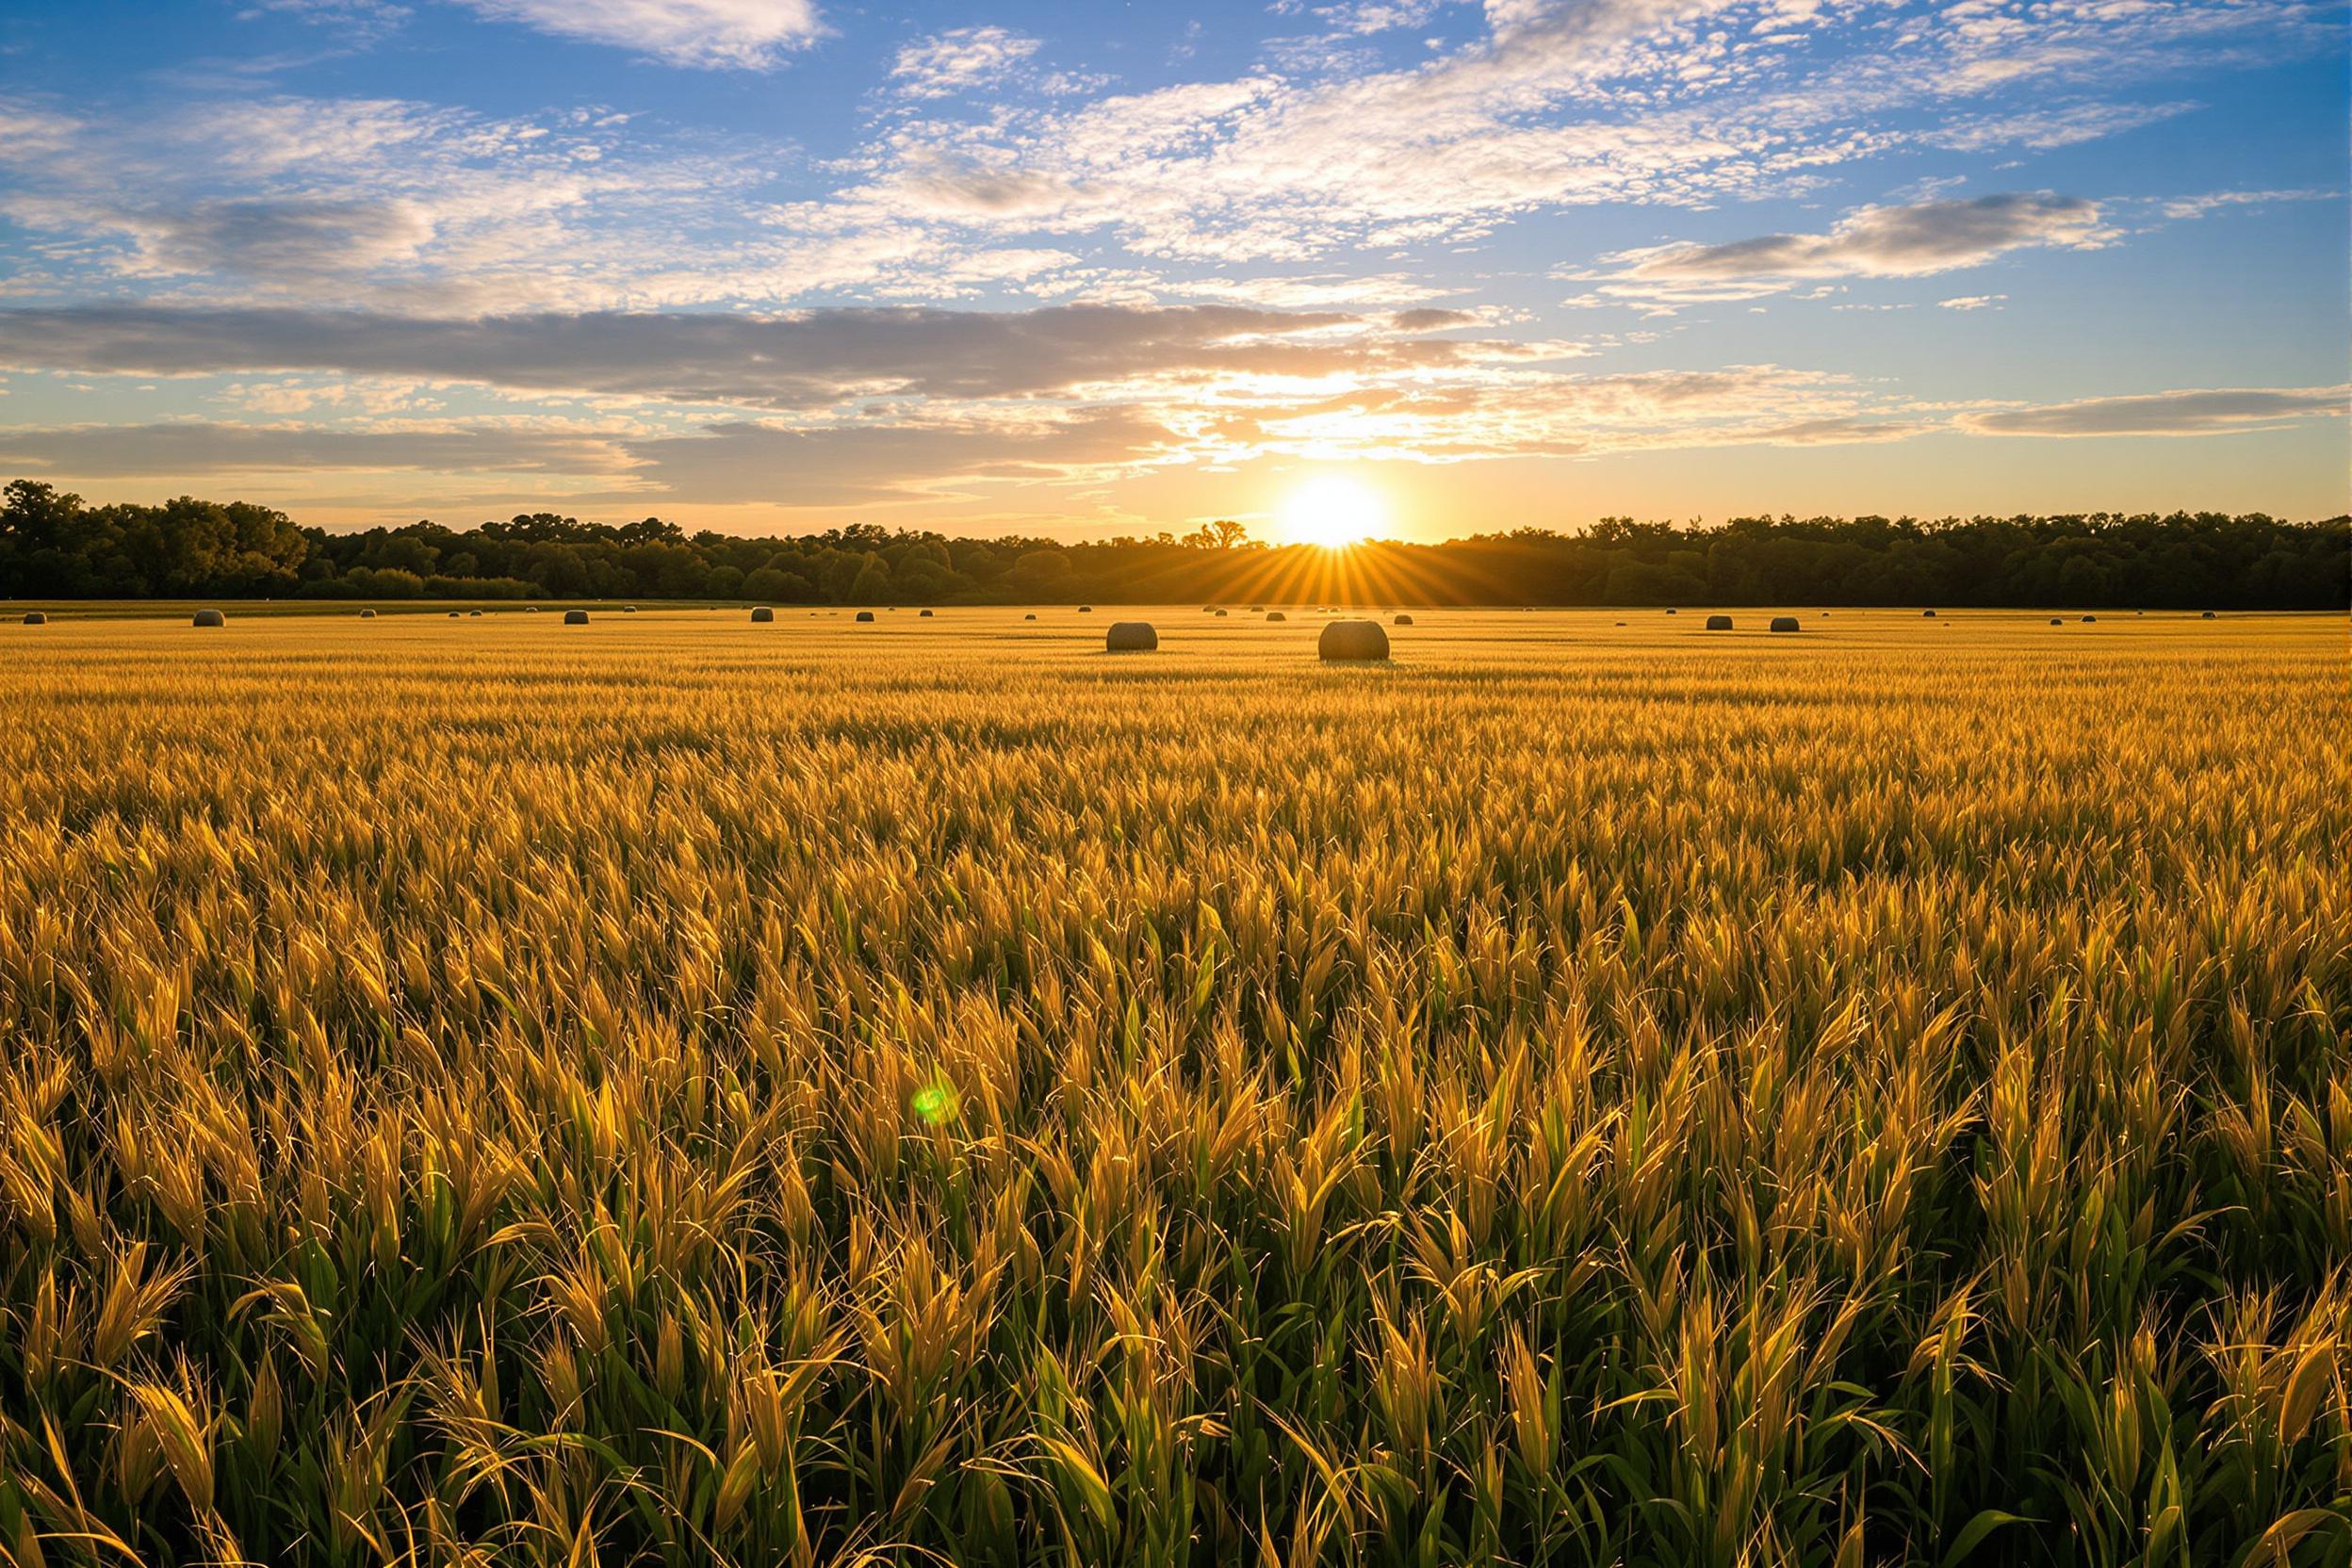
pixel 1334 510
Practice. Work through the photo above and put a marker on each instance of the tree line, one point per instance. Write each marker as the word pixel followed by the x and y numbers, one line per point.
pixel 54 545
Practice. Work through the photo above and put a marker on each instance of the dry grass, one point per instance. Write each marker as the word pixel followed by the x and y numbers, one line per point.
pixel 677 1093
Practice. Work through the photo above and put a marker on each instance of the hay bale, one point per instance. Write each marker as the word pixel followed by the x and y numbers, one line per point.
pixel 1130 637
pixel 2088 619
pixel 1031 616
pixel 762 615
pixel 865 615
pixel 1086 609
pixel 1927 614
pixel 530 610
pixel 1787 623
pixel 1220 614
pixel 1404 620
pixel 366 614
pixel 1673 612
pixel 34 618
pixel 454 615
pixel 574 617
pixel 923 615
pixel 2057 620
pixel 2208 616
pixel 1353 640
pixel 209 617
pixel 629 609
pixel 474 615
pixel 1715 623
pixel 1275 615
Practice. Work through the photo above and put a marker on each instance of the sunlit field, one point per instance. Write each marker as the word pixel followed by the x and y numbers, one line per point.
pixel 1588 1090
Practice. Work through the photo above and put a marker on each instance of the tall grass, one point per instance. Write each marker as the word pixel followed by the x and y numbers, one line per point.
pixel 683 1094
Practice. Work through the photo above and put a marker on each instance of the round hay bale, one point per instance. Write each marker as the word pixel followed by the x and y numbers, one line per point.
pixel 1715 623
pixel 34 618
pixel 1031 616
pixel 865 615
pixel 1404 620
pixel 473 614
pixel 1673 612
pixel 366 614
pixel 574 617
pixel 763 615
pixel 2088 619
pixel 2208 616
pixel 1787 623
pixel 1220 614
pixel 530 610
pixel 1353 640
pixel 629 609
pixel 1086 609
pixel 2057 620
pixel 1275 615
pixel 923 615
pixel 1927 614
pixel 1257 610
pixel 1130 637
pixel 454 615
pixel 209 617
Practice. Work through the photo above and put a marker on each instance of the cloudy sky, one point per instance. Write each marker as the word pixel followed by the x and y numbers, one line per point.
pixel 775 265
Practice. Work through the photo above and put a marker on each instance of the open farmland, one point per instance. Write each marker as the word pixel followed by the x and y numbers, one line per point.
pixel 677 1090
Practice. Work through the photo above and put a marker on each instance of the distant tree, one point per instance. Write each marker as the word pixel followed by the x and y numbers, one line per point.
pixel 872 582
pixel 54 544
pixel 1042 575
pixel 779 587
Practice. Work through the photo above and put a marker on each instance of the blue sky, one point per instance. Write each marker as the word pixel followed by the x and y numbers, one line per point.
pixel 779 264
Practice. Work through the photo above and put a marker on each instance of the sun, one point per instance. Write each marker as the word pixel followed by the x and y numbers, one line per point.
pixel 1334 510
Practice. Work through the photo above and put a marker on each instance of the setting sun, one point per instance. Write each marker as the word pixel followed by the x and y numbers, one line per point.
pixel 1334 510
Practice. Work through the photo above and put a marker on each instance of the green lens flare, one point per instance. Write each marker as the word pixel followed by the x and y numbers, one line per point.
pixel 935 1104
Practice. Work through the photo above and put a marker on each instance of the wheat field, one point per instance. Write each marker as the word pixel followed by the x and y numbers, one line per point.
pixel 1591 1090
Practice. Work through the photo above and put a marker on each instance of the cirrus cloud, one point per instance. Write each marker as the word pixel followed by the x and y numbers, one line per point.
pixel 2216 412
pixel 802 359
pixel 1890 241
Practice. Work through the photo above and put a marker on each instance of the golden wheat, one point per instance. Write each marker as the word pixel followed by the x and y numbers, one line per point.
pixel 681 1092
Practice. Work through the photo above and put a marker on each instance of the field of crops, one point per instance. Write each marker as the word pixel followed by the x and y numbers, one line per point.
pixel 1590 1091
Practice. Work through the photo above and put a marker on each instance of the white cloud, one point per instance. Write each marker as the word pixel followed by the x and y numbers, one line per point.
pixel 961 57
pixel 1362 17
pixel 1973 301
pixel 753 35
pixel 27 133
